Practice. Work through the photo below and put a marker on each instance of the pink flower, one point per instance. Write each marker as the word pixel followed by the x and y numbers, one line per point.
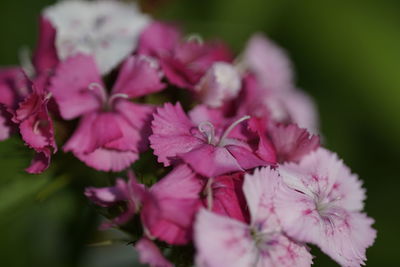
pixel 169 208
pixel 320 202
pixel 223 241
pixel 184 62
pixel 150 254
pixel 112 130
pixel 211 144
pixel 172 203
pixel 131 193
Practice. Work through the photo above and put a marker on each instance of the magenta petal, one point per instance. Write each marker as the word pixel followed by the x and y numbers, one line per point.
pixel 292 142
pixel 94 131
pixel 150 254
pixel 39 163
pixel 139 76
pixel 136 120
pixel 228 198
pixel 245 158
pixel 169 210
pixel 172 133
pixel 45 56
pixel 158 39
pixel 211 161
pixel 108 160
pixel 70 86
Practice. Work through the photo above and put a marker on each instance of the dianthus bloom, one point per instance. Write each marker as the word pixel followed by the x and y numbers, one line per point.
pixel 223 158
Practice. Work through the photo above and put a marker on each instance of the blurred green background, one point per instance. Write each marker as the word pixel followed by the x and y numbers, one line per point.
pixel 347 56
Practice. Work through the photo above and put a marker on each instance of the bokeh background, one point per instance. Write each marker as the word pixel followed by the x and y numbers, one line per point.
pixel 347 56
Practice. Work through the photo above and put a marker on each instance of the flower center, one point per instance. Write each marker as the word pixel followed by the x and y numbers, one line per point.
pixel 208 129
pixel 102 95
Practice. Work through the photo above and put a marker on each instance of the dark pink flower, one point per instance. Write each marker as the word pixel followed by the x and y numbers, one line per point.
pixel 112 130
pixel 36 127
pixel 291 142
pixel 184 62
pixel 224 241
pixel 169 209
pixel 319 201
pixel 211 144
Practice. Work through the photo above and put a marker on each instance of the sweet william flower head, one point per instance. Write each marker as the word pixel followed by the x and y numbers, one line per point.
pixel 107 30
pixel 320 202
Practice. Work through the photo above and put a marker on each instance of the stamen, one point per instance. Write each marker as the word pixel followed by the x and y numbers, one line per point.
pixel 26 62
pixel 207 128
pixel 209 194
pixel 116 96
pixel 231 127
pixel 48 96
pixel 195 38
pixel 36 127
pixel 101 90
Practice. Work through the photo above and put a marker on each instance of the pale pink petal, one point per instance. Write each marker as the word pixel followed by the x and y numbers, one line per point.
pixel 220 84
pixel 270 63
pixel 5 126
pixel 221 241
pixel 172 133
pixel 302 110
pixel 45 56
pixel 139 76
pixel 150 254
pixel 107 196
pixel 77 86
pixel 211 161
pixel 259 190
pixel 291 142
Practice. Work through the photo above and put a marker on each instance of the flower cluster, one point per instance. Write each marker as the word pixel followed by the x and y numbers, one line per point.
pixel 240 173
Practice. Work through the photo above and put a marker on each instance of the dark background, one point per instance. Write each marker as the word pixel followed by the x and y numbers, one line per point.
pixel 347 56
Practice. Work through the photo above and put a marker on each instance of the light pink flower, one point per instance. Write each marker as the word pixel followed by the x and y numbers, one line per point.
pixel 150 254
pixel 184 62
pixel 321 202
pixel 130 193
pixel 112 130
pixel 211 144
pixel 223 241
pixel 269 63
pixel 270 90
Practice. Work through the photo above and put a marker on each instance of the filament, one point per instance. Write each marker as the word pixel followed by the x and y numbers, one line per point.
pixel 231 127
pixel 207 128
pixel 101 90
